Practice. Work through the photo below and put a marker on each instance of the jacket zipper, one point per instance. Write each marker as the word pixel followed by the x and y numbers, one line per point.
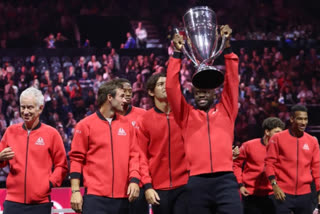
pixel 169 145
pixel 209 141
pixel 297 164
pixel 26 168
pixel 112 157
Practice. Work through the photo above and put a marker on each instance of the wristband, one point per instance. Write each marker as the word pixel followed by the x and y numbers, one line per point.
pixel 77 190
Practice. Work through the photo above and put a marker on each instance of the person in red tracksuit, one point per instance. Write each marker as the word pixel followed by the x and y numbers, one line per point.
pixel 292 163
pixel 132 113
pixel 161 142
pixel 104 150
pixel 249 170
pixel 37 159
pixel 208 133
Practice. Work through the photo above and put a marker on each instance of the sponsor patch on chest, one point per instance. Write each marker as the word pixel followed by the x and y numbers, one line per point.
pixel 122 132
pixel 40 141
pixel 306 147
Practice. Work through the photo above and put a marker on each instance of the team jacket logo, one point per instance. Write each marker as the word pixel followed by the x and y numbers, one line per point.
pixel 122 132
pixel 40 141
pixel 306 147
pixel 215 111
pixel 134 124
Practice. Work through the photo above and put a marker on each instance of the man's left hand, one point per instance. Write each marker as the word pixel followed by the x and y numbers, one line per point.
pixel 133 191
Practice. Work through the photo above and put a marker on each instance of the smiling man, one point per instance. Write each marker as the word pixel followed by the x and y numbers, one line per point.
pixel 37 159
pixel 292 163
pixel 104 150
pixel 130 112
pixel 208 135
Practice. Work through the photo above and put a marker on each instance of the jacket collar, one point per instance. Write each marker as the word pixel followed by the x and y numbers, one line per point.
pixel 290 132
pixel 102 117
pixel 128 110
pixel 158 110
pixel 36 127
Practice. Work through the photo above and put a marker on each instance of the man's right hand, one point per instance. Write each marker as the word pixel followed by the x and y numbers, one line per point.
pixel 152 196
pixel 244 191
pixel 6 154
pixel 278 193
pixel 76 202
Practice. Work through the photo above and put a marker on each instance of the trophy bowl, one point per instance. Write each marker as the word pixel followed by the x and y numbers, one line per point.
pixel 201 46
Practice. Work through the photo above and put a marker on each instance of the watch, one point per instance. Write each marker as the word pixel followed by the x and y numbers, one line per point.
pixel 77 190
pixel 274 182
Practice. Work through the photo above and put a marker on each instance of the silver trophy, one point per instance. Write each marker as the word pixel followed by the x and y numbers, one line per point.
pixel 201 46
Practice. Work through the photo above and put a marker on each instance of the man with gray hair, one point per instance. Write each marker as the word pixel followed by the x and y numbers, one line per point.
pixel 36 156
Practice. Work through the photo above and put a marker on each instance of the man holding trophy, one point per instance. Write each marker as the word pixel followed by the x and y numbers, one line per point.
pixel 208 130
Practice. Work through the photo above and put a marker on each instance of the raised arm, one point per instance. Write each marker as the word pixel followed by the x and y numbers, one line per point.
pixel 230 93
pixel 178 104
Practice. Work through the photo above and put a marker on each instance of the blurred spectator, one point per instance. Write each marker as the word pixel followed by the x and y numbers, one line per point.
pixel 50 41
pixel 86 44
pixel 141 34
pixel 85 84
pixel 16 118
pixel 93 66
pixel 3 176
pixel 130 43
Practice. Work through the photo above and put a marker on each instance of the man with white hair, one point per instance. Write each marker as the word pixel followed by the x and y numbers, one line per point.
pixel 36 156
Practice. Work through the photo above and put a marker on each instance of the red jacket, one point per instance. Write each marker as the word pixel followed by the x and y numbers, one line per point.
pixel 294 162
pixel 161 142
pixel 133 113
pixel 252 175
pixel 208 137
pixel 31 176
pixel 106 155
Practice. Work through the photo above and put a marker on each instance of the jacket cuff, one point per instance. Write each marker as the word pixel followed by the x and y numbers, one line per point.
pixel 227 51
pixel 241 185
pixel 147 186
pixel 76 175
pixel 134 180
pixel 177 55
pixel 271 177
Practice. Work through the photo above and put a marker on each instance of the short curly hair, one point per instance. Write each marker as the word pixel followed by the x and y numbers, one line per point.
pixel 272 123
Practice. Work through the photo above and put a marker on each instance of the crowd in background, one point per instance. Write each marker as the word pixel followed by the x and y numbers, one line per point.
pixel 32 23
pixel 268 84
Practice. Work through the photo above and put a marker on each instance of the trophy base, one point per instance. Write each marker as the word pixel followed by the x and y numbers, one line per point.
pixel 208 77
